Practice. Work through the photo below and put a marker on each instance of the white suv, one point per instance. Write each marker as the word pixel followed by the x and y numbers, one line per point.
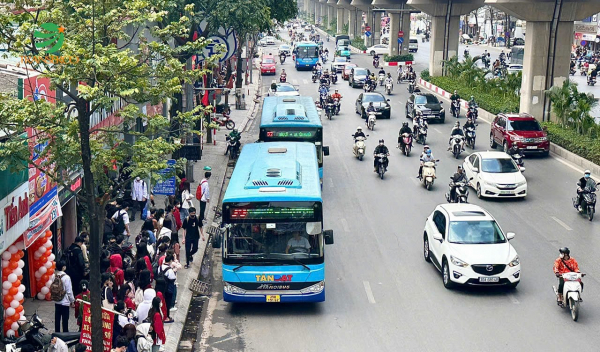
pixel 467 245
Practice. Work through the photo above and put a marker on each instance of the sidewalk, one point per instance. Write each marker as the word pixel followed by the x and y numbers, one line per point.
pixel 212 155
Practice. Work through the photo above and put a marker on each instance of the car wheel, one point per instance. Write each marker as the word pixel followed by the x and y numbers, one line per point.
pixel 426 253
pixel 505 147
pixel 372 53
pixel 446 275
pixel 492 142
pixel 478 191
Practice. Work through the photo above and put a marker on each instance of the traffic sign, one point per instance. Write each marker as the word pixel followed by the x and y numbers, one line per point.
pixel 583 43
pixel 367 28
pixel 368 34
pixel 400 34
pixel 400 40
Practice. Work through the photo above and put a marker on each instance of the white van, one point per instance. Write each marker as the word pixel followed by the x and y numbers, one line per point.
pixel 413 45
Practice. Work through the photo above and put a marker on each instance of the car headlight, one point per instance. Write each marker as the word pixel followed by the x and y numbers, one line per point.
pixel 442 110
pixel 458 262
pixel 229 288
pixel 543 139
pixel 516 138
pixel 521 183
pixel 316 288
pixel 514 262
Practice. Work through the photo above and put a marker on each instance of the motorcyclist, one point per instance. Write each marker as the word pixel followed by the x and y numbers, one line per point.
pixel 593 75
pixel 282 57
pixel 322 92
pixel 562 265
pixel 456 131
pixel 455 96
pixel 325 74
pixel 359 133
pixel 466 53
pixel 427 156
pixel 459 176
pixel 469 124
pixel 388 79
pixel 282 75
pixel 409 68
pixel 399 73
pixel 585 182
pixel 381 71
pixel 502 56
pixel 380 149
pixel 318 67
pixel 472 102
pixel 336 95
pixel 404 129
pixel 234 136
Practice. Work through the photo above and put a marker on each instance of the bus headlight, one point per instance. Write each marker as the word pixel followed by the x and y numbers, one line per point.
pixel 229 288
pixel 316 288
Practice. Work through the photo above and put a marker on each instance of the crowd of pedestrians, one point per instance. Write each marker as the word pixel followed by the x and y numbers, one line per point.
pixel 139 278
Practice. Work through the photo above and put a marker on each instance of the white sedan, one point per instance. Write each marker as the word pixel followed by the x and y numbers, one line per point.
pixel 284 90
pixel 514 68
pixel 468 246
pixel 379 49
pixel 495 174
pixel 270 40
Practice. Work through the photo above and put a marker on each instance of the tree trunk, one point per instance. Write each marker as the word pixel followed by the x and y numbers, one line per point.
pixel 238 70
pixel 95 225
pixel 476 25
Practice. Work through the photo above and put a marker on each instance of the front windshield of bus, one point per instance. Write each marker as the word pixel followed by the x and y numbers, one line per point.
pixel 307 52
pixel 283 241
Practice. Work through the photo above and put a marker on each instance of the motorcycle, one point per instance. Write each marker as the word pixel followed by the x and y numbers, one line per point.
pixel 282 78
pixel 381 79
pixel 323 98
pixel 455 108
pixel 359 147
pixel 411 86
pixel 473 113
pixel 461 193
pixel 428 174
pixel 470 137
pixel 233 146
pixel 369 87
pixel 324 82
pixel 30 333
pixel 329 110
pixel 588 205
pixel 324 58
pixel 583 71
pixel 376 62
pixel 572 71
pixel 388 87
pixel 282 58
pixel 334 78
pixel 336 106
pixel 381 160
pixel 591 81
pixel 224 121
pixel 314 77
pixel 371 121
pixel 407 139
pixel 456 145
pixel 517 156
pixel 422 132
pixel 571 293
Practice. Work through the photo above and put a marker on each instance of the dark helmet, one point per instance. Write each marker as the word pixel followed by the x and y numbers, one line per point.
pixel 404 124
pixel 381 141
pixel 564 250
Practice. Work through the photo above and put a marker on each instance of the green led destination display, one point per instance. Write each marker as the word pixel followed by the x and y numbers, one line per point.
pixel 292 134
pixel 272 213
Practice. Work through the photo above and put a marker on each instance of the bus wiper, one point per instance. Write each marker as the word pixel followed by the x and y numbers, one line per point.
pixel 304 265
pixel 249 264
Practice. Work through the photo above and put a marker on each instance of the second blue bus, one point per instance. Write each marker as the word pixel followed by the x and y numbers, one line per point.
pixel 273 246
pixel 306 55
pixel 293 119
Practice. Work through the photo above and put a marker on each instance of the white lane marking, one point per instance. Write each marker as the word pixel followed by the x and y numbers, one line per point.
pixel 513 299
pixel 330 183
pixel 294 81
pixel 305 81
pixel 438 131
pixel 345 225
pixel 561 223
pixel 370 296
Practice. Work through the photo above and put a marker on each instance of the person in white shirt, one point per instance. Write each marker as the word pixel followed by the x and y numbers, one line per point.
pixel 186 200
pixel 205 198
pixel 122 212
pixel 297 244
pixel 139 194
pixel 61 308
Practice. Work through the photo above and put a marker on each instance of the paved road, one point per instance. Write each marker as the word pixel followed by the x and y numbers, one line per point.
pixel 382 295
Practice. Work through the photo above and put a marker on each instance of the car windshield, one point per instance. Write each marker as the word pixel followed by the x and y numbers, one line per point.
pixel 373 98
pixel 349 67
pixel 498 166
pixel 285 88
pixel 426 99
pixel 524 125
pixel 286 241
pixel 305 52
pixel 360 72
pixel 343 48
pixel 475 232
pixel 268 61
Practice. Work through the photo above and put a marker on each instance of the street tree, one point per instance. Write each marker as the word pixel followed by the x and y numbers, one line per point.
pixel 102 52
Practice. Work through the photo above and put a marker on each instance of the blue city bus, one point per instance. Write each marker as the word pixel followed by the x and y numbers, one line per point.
pixel 273 245
pixel 293 119
pixel 306 55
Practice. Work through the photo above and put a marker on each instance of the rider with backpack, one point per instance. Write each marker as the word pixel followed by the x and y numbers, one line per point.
pixel 61 292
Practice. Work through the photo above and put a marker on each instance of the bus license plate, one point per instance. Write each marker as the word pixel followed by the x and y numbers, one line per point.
pixel 489 279
pixel 273 298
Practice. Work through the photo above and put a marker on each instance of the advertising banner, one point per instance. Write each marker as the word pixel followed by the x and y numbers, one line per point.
pixel 108 318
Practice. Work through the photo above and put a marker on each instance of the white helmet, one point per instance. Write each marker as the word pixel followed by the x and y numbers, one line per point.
pixel 359 128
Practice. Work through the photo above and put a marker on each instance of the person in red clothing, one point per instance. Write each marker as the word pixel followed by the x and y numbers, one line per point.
pixel 156 320
pixel 177 215
pixel 116 268
pixel 562 265
pixel 83 296
pixel 142 253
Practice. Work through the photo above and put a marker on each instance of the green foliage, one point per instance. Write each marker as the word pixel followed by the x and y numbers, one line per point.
pixel 398 58
pixel 358 43
pixel 282 10
pixel 345 28
pixel 587 146
pixel 572 108
pixel 425 75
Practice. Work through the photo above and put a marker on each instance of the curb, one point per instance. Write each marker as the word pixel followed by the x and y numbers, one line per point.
pixel 555 150
pixel 356 50
pixel 396 63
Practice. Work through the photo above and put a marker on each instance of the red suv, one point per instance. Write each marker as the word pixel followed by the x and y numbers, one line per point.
pixel 520 129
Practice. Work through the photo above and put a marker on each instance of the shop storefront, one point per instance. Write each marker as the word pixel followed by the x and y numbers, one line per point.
pixel 585 34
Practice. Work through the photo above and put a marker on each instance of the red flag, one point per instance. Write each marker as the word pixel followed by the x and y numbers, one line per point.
pixel 205 101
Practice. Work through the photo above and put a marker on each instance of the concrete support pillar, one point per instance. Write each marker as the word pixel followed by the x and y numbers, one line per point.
pixel 438 31
pixel 369 22
pixel 376 28
pixel 399 21
pixel 330 17
pixel 317 11
pixel 406 29
pixel 352 23
pixel 535 64
pixel 341 19
pixel 311 8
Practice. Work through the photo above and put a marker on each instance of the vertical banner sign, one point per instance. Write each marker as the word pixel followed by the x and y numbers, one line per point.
pixel 166 187
pixel 108 319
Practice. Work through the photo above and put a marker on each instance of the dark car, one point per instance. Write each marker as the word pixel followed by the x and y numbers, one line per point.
pixel 380 103
pixel 520 129
pixel 358 76
pixel 428 104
